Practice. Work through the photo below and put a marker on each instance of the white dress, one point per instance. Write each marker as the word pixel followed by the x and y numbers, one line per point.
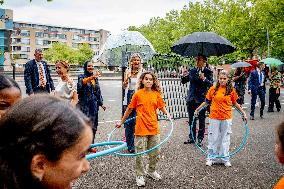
pixel 65 90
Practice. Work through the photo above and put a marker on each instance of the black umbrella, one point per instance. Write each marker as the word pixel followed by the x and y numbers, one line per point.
pixel 205 43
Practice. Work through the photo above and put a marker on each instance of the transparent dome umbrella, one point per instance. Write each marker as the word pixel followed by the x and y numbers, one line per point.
pixel 118 48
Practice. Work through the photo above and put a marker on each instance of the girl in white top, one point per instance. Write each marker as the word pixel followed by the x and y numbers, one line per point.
pixel 130 85
pixel 66 87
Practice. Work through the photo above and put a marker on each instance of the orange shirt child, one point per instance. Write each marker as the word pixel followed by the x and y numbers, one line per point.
pixel 146 104
pixel 221 105
pixel 280 184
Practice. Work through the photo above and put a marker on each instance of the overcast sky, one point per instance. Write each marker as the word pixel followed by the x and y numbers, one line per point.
pixel 111 15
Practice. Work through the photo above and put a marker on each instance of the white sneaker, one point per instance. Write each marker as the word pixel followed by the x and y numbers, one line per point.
pixel 154 175
pixel 140 181
pixel 209 162
pixel 228 164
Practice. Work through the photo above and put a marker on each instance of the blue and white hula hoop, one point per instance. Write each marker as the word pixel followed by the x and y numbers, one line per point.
pixel 146 151
pixel 107 151
pixel 245 125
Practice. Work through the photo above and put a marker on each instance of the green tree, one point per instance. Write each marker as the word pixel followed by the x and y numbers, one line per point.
pixel 243 22
pixel 60 51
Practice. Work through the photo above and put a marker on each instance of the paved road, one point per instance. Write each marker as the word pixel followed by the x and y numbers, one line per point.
pixel 183 166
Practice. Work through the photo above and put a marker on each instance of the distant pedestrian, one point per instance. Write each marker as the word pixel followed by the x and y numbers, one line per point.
pixel 279 151
pixel 240 80
pixel 201 79
pixel 89 94
pixel 221 97
pixel 10 93
pixel 147 100
pixel 66 87
pixel 37 75
pixel 256 87
pixel 130 85
pixel 274 90
pixel 43 143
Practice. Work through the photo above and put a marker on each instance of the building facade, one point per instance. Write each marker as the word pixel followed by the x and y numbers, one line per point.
pixel 26 37
pixel 6 26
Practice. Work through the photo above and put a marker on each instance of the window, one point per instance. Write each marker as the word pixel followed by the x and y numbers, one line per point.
pixel 53 35
pixel 39 41
pixel 24 56
pixel 25 49
pixel 93 39
pixel 39 34
pixel 16 48
pixel 16 25
pixel 76 37
pixel 20 56
pixel 61 36
pixel 46 42
pixel 25 33
pixel 16 40
pixel 25 41
pixel 94 46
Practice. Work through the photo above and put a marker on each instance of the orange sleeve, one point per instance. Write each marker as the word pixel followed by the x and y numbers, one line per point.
pixel 234 95
pixel 85 80
pixel 280 184
pixel 210 93
pixel 161 102
pixel 133 103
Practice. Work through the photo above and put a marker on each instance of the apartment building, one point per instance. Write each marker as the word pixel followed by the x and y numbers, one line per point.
pixel 26 37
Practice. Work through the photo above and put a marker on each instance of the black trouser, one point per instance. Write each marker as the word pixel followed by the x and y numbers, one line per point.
pixel 273 98
pixel 261 94
pixel 191 107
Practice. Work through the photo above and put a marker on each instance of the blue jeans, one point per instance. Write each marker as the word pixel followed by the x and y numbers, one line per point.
pixel 191 106
pixel 130 125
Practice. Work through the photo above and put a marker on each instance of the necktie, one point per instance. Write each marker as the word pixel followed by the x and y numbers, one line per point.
pixel 41 76
pixel 260 78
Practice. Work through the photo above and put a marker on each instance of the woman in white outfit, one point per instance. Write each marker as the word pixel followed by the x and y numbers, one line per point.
pixel 66 87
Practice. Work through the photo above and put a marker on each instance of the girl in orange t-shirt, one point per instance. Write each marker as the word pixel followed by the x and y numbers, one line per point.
pixel 221 97
pixel 279 151
pixel 147 99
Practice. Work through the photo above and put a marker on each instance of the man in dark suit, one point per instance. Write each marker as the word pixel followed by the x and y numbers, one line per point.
pixel 256 87
pixel 37 75
pixel 200 78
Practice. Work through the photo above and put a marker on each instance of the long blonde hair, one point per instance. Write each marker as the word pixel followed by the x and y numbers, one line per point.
pixel 156 83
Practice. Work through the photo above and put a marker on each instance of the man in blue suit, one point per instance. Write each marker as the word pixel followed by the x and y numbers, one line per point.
pixel 201 79
pixel 37 75
pixel 256 87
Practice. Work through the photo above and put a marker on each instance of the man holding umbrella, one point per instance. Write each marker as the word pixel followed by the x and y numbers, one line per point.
pixel 200 45
pixel 200 79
